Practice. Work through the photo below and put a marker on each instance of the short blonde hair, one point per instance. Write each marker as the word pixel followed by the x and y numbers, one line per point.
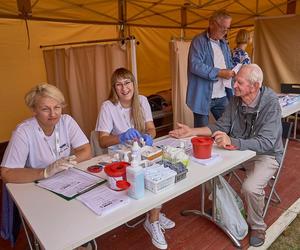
pixel 44 90
pixel 243 36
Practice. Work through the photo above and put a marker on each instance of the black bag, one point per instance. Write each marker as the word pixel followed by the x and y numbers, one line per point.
pixel 157 102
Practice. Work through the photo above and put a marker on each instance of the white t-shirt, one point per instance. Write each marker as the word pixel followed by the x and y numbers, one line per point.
pixel 114 119
pixel 219 62
pixel 30 147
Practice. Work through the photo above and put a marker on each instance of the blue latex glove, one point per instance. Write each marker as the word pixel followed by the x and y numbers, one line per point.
pixel 148 139
pixel 130 134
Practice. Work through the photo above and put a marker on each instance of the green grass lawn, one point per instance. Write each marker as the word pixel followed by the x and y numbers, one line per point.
pixel 290 238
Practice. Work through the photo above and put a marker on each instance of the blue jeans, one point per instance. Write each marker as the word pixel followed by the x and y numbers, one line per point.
pixel 217 107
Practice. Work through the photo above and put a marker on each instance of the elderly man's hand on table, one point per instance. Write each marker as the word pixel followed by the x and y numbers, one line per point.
pixel 221 138
pixel 181 131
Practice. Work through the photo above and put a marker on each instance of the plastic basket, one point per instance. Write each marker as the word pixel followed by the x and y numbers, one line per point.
pixel 158 186
pixel 178 167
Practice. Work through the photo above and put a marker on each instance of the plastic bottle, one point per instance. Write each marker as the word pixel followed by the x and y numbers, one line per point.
pixel 126 159
pixel 136 153
pixel 135 176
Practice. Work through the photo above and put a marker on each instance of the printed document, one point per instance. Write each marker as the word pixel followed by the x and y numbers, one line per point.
pixel 227 82
pixel 102 200
pixel 71 182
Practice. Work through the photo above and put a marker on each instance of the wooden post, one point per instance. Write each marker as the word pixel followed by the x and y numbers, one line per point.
pixel 183 22
pixel 122 18
pixel 291 6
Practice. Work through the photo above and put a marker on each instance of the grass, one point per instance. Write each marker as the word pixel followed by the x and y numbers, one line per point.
pixel 290 238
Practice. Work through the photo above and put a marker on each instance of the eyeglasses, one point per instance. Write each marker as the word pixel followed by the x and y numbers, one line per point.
pixel 126 84
pixel 222 28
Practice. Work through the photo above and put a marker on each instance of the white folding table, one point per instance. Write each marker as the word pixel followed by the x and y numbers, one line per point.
pixel 290 109
pixel 58 224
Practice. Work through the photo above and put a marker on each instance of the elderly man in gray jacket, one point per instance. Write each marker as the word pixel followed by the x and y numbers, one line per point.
pixel 252 120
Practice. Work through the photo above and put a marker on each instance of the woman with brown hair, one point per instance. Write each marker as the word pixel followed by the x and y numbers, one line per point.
pixel 126 116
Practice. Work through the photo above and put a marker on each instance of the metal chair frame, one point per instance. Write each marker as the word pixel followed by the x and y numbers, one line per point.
pixel 286 133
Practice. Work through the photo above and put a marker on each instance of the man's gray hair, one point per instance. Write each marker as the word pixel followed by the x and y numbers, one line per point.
pixel 219 14
pixel 255 73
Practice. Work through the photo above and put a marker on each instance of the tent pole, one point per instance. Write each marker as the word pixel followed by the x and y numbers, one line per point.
pixel 133 58
pixel 86 42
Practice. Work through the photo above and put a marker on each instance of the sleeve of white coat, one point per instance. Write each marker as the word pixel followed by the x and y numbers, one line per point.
pixel 17 151
pixel 105 121
pixel 77 137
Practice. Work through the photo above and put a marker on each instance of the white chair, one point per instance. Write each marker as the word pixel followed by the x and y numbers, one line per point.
pixel 94 141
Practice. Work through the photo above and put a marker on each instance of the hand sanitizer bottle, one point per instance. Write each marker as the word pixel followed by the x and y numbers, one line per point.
pixel 135 176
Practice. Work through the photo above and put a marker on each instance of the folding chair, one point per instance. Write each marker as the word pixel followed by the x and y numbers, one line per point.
pixel 286 133
pixel 291 88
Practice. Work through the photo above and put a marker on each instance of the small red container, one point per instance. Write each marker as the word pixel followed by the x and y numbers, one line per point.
pixel 202 147
pixel 116 173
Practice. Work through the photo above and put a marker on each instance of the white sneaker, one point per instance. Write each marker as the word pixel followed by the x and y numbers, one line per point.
pixel 165 222
pixel 155 231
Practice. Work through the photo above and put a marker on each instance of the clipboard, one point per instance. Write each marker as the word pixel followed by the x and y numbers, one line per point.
pixel 71 183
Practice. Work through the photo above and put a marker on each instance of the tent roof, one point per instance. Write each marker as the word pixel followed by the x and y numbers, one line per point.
pixel 147 13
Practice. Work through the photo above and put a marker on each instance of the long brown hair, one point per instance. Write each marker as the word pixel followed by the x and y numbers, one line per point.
pixel 136 110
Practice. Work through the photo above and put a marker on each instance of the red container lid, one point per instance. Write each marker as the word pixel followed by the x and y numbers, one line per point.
pixel 94 169
pixel 202 140
pixel 123 184
pixel 116 169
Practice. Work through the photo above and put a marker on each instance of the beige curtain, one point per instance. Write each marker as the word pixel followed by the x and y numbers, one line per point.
pixel 277 49
pixel 179 59
pixel 83 75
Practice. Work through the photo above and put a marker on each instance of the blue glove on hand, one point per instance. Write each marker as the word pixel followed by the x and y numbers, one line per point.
pixel 148 139
pixel 130 134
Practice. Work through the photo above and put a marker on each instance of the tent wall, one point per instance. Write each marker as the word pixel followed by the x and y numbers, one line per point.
pixel 21 69
pixel 153 58
pixel 277 49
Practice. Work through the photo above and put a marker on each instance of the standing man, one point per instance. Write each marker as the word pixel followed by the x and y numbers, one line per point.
pixel 252 120
pixel 209 66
